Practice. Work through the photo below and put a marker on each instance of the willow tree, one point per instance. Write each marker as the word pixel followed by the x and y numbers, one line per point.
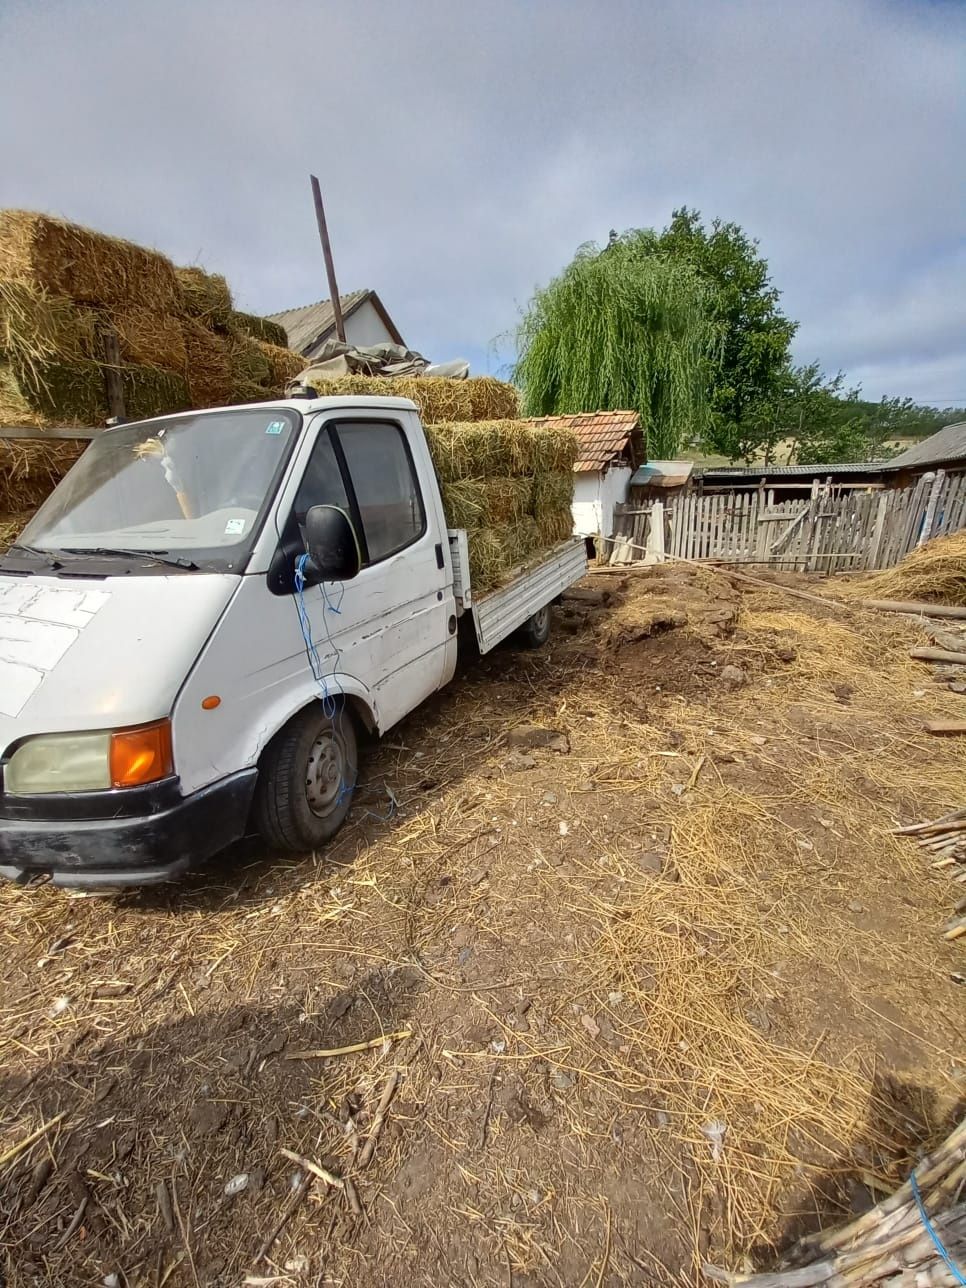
pixel 621 328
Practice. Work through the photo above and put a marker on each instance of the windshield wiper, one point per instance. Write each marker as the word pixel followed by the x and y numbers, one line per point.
pixel 47 556
pixel 153 556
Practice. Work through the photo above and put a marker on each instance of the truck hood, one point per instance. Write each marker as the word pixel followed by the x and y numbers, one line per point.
pixel 100 653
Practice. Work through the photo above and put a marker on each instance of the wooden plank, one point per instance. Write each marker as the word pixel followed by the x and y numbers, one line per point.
pixel 882 510
pixel 938 655
pixel 945 726
pixel 15 433
pixel 932 502
pixel 919 608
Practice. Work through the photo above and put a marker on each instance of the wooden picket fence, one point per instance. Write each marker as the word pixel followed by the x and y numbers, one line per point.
pixel 831 530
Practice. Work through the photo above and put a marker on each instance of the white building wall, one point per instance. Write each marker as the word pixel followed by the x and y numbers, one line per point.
pixel 365 326
pixel 595 495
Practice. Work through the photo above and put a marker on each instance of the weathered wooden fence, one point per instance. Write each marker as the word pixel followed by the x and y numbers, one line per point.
pixel 831 530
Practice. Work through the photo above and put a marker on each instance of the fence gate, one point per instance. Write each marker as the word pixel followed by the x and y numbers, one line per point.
pixel 830 531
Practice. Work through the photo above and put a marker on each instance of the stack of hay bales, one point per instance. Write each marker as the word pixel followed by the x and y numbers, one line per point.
pixel 181 342
pixel 510 485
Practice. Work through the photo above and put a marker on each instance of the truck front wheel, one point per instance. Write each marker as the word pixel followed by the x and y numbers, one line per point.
pixel 306 779
pixel 535 631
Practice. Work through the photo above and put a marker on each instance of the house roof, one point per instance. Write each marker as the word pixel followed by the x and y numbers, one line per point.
pixel 949 444
pixel 792 471
pixel 604 436
pixel 313 322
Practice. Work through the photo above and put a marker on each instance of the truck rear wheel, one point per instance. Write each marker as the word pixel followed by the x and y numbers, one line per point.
pixel 306 779
pixel 535 631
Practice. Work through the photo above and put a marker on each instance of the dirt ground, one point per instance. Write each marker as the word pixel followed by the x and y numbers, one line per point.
pixel 657 984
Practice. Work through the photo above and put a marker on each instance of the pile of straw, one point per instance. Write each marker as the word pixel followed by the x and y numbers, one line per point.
pixel 509 485
pixel 936 572
pixel 891 1244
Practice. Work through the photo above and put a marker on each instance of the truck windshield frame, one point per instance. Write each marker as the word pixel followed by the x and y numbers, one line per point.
pixel 194 490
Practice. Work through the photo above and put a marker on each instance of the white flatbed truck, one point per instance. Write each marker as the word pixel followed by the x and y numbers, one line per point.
pixel 203 615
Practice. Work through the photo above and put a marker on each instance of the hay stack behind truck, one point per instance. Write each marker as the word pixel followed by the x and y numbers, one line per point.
pixel 211 606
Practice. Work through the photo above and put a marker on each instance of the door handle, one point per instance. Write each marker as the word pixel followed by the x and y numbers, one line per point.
pixel 440 561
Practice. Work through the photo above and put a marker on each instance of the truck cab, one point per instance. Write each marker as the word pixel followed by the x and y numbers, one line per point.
pixel 202 617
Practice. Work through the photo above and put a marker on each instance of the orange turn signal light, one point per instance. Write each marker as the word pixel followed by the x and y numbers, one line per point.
pixel 142 755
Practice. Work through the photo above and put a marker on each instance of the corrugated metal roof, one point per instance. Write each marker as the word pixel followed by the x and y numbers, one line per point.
pixel 793 471
pixel 311 322
pixel 604 436
pixel 949 444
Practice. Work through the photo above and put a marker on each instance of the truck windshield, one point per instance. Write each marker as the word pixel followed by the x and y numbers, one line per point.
pixel 195 487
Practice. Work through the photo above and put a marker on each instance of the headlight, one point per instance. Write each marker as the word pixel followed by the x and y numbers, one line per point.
pixel 90 762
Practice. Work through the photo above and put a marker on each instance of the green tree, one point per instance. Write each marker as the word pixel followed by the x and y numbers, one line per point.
pixel 751 361
pixel 621 328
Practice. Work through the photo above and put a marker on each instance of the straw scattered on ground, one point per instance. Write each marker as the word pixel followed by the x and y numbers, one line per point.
pixel 675 991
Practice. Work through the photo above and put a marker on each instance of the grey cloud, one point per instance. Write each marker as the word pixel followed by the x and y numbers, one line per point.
pixel 467 150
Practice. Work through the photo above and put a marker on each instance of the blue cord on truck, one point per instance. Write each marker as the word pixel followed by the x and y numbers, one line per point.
pixel 954 1270
pixel 330 705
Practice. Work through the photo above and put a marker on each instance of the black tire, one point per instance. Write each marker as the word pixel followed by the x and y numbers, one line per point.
pixel 306 779
pixel 535 631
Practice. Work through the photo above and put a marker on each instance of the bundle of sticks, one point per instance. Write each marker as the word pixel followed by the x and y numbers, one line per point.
pixel 916 1238
pixel 945 838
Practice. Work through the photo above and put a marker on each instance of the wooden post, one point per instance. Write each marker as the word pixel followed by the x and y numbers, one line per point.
pixel 112 374
pixel 327 256
pixel 655 534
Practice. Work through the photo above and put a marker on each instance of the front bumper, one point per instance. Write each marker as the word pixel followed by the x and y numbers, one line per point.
pixel 72 841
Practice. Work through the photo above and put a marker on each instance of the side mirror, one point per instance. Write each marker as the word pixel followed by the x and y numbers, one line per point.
pixel 332 545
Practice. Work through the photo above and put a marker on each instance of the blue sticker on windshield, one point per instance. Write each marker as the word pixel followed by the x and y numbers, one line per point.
pixel 275 427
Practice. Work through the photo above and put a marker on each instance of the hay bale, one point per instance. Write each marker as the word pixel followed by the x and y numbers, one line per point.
pixel 152 391
pixel 52 393
pixel 207 368
pixel 936 572
pixel 521 542
pixel 86 266
pixel 468 449
pixel 552 450
pixel 353 386
pixel 257 328
pixel 30 470
pixel 551 492
pixel 149 339
pixel 249 365
pixel 555 525
pixel 248 392
pixel 492 399
pixel 464 503
pixel 507 500
pixel 438 398
pixel 36 327
pixel 205 296
pixel 284 365
pixel 489 560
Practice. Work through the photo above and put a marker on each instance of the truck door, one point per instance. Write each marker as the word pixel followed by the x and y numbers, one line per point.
pixel 390 625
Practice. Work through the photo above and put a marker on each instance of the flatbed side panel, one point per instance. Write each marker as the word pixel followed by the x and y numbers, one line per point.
pixel 459 552
pixel 499 613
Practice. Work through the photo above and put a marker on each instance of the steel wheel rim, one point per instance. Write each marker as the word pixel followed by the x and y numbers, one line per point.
pixel 540 619
pixel 325 774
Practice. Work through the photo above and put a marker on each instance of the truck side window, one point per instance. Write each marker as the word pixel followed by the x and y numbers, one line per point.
pixel 322 481
pixel 384 481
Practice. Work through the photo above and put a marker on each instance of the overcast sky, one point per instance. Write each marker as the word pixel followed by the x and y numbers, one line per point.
pixel 466 150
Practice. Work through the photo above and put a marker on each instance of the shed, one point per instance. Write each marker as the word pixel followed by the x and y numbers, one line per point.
pixel 945 450
pixel 366 320
pixel 611 448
